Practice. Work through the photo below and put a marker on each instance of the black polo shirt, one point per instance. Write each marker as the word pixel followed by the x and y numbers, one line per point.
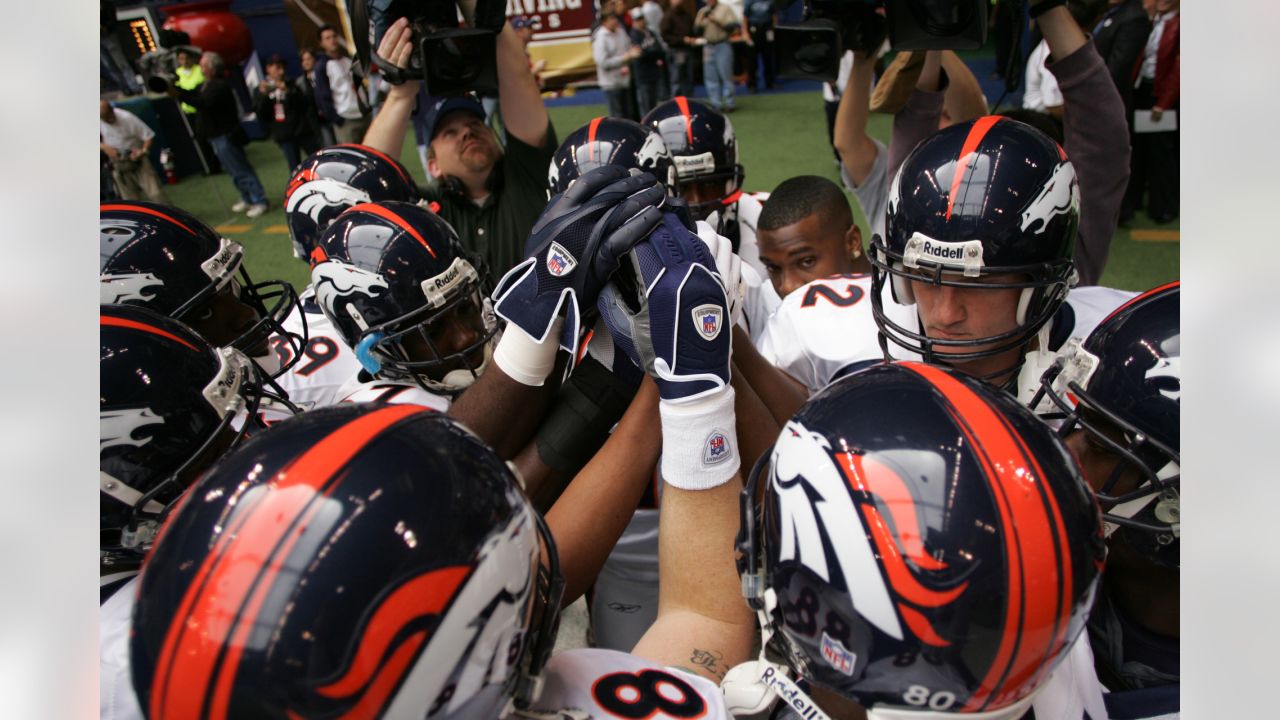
pixel 497 228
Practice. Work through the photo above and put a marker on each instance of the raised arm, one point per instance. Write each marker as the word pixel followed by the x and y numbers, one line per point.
pixel 1097 137
pixel 387 132
pixel 857 150
pixel 523 114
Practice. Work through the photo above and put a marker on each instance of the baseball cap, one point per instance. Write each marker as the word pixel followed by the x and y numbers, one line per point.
pixel 637 14
pixel 445 105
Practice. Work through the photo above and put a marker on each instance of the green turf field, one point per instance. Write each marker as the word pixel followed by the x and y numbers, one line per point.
pixel 780 136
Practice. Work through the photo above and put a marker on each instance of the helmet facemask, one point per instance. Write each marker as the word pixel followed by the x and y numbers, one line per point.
pixel 1043 289
pixel 1149 510
pixel 395 349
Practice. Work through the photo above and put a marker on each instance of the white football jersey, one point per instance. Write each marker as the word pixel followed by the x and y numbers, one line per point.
pixel 327 362
pixel 391 392
pixel 1081 314
pixel 1091 305
pixel 607 684
pixel 826 326
pixel 116 699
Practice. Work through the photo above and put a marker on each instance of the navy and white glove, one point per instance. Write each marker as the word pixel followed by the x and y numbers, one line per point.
pixel 673 323
pixel 574 247
pixel 667 310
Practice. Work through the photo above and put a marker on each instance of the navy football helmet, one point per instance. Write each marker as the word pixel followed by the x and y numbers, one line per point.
pixel 938 555
pixel 993 204
pixel 167 260
pixel 166 404
pixel 334 179
pixel 704 149
pixel 1123 387
pixel 610 141
pixel 395 281
pixel 354 561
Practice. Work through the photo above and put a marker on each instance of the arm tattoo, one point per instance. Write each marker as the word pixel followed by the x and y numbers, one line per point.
pixel 710 660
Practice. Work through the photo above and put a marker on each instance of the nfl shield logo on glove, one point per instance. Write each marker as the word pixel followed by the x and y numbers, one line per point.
pixel 707 319
pixel 559 261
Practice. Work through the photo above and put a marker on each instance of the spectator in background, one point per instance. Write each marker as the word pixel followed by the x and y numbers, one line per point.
pixel 126 140
pixel 1120 36
pixel 1155 155
pixel 653 13
pixel 760 21
pixel 488 193
pixel 340 91
pixel 218 121
pixel 307 84
pixel 284 111
pixel 716 22
pixel 649 68
pixel 611 47
pixel 677 32
pixel 189 73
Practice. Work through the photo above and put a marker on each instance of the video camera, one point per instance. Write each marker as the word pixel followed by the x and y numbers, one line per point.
pixel 449 59
pixel 159 66
pixel 813 48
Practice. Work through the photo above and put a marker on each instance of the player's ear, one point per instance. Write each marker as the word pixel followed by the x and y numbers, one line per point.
pixel 853 241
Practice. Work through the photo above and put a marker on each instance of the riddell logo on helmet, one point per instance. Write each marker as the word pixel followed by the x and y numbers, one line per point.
pixel 943 252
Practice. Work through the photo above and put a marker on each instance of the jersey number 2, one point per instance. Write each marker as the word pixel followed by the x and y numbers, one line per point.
pixel 852 296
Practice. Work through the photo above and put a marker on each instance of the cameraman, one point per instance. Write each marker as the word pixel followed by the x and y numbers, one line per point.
pixel 490 195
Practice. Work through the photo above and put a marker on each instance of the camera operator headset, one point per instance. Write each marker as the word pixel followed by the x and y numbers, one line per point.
pixel 491 195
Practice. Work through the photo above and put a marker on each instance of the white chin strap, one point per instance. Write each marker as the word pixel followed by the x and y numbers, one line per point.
pixel 462 378
pixel 1034 365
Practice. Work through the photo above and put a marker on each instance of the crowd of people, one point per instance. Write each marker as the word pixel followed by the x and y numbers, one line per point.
pixel 796 472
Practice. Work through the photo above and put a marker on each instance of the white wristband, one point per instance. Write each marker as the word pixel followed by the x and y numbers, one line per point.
pixel 524 359
pixel 699 442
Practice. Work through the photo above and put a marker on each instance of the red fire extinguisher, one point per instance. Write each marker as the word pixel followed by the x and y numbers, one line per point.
pixel 166 162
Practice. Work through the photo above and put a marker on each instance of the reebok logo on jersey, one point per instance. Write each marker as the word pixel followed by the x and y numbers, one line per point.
pixel 708 319
pixel 559 261
pixel 716 449
pixel 836 655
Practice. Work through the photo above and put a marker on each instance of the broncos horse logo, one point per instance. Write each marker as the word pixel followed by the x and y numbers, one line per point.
pixel 886 544
pixel 335 280
pixel 1058 196
pixel 322 199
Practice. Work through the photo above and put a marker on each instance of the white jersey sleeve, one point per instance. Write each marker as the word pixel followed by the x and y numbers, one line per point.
pixel 608 684
pixel 1090 305
pixel 116 699
pixel 822 328
pixel 761 299
pixel 327 363
pixel 390 392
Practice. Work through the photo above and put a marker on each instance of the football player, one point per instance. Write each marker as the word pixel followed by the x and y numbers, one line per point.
pixel 1120 391
pixel 167 410
pixel 328 183
pixel 704 149
pixel 936 556
pixel 166 260
pixel 979 237
pixel 407 299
